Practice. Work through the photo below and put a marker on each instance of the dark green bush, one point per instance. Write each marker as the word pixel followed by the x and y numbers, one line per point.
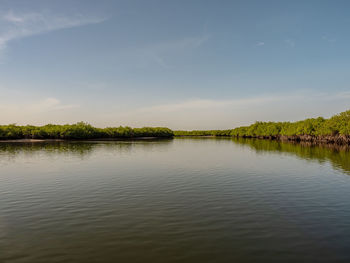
pixel 338 124
pixel 79 131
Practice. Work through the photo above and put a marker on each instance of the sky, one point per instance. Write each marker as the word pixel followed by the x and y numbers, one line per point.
pixel 184 64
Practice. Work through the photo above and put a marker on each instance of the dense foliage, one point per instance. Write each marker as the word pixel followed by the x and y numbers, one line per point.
pixel 336 125
pixel 203 133
pixel 80 131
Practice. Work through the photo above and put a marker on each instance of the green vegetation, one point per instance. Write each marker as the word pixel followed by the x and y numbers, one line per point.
pixel 336 125
pixel 79 131
pixel 203 133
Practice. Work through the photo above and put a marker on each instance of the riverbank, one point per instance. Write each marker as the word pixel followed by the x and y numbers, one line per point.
pixel 324 139
pixel 80 131
pixel 86 140
pixel 335 130
pixel 312 140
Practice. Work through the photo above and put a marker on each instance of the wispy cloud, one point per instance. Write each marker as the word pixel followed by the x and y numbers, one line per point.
pixel 43 105
pixel 290 42
pixel 199 104
pixel 329 39
pixel 259 44
pixel 34 111
pixel 19 25
pixel 159 52
pixel 187 42
pixel 223 114
pixel 197 113
pixel 49 104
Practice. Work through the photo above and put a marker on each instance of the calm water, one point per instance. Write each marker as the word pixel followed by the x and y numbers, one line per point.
pixel 182 200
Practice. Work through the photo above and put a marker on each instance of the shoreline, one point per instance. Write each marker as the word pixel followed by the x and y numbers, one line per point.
pixel 85 140
pixel 323 139
pixel 312 139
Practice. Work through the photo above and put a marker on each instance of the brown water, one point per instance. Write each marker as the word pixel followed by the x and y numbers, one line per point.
pixel 182 200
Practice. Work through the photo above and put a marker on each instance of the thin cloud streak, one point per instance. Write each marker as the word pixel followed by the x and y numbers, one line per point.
pixel 205 104
pixel 32 112
pixel 188 114
pixel 329 39
pixel 290 42
pixel 225 114
pixel 49 104
pixel 157 53
pixel 19 25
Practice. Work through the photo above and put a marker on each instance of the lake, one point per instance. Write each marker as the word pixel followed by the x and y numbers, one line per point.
pixel 181 200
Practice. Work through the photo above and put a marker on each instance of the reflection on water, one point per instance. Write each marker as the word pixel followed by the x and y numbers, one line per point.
pixel 82 149
pixel 182 200
pixel 337 155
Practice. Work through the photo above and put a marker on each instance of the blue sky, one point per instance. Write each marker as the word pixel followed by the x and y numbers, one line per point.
pixel 182 64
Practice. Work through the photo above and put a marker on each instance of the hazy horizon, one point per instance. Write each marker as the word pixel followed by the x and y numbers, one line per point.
pixel 179 64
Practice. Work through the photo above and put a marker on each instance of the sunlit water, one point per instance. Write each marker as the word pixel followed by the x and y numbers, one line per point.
pixel 181 200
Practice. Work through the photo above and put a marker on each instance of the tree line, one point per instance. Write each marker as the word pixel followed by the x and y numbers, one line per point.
pixel 80 130
pixel 337 125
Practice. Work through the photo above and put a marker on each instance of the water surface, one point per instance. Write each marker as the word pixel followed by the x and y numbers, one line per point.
pixel 181 200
